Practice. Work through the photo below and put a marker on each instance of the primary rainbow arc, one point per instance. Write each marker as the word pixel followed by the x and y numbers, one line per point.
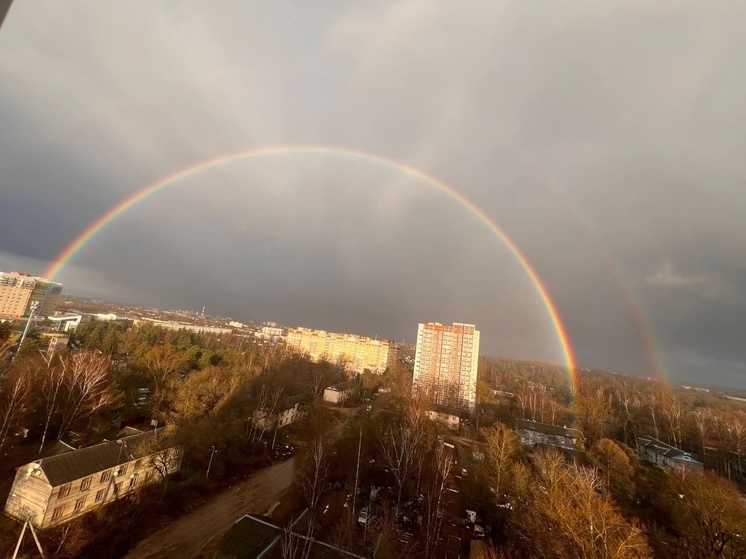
pixel 97 225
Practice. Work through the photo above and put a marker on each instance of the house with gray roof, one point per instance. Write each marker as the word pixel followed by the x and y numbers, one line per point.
pixel 66 483
pixel 664 455
pixel 533 433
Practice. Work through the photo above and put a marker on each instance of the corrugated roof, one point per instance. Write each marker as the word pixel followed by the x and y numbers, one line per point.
pixel 77 464
pixel 58 448
pixel 549 429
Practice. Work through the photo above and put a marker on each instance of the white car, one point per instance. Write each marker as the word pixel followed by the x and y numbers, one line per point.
pixel 362 518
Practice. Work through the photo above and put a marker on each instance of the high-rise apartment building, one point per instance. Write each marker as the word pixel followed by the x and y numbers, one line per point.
pixel 18 291
pixel 357 353
pixel 445 364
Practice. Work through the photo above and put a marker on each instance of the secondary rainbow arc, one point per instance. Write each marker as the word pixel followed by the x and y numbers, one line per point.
pixel 99 223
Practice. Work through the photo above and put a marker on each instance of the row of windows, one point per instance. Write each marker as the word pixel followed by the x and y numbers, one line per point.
pixel 85 484
pixel 100 495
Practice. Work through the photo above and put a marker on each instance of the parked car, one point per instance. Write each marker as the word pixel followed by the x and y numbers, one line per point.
pixel 362 516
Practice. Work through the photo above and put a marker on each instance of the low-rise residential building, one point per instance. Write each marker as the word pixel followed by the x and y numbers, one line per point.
pixel 339 393
pixel 664 455
pixel 288 411
pixel 559 436
pixel 67 483
pixel 442 414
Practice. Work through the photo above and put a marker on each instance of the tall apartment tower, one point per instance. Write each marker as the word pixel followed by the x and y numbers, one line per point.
pixel 18 291
pixel 445 364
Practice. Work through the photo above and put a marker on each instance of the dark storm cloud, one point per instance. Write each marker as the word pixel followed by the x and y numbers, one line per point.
pixel 607 140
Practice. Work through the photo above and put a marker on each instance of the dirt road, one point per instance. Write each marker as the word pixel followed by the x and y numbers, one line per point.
pixel 185 537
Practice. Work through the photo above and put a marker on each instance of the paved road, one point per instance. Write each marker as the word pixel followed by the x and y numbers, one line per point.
pixel 186 536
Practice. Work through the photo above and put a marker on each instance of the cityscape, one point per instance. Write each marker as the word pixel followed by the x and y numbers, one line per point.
pixel 372 280
pixel 416 449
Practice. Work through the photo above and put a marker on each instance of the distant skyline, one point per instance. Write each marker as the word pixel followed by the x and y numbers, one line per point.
pixel 606 140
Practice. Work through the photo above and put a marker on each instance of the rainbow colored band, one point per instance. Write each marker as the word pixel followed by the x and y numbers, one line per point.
pixel 86 235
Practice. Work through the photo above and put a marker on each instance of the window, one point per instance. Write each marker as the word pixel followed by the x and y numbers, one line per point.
pixel 64 491
pixel 133 481
pixel 106 476
pixel 138 464
pixel 85 485
pixel 58 512
pixel 79 504
pixel 118 488
pixel 122 470
pixel 100 495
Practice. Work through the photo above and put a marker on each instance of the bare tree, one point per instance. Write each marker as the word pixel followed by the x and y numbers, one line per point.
pixel 313 481
pixel 435 502
pixel 266 410
pixel 651 403
pixel 318 382
pixel 737 435
pixel 86 375
pixel 52 384
pixel 403 446
pixel 13 399
pixel 702 425
pixel 671 412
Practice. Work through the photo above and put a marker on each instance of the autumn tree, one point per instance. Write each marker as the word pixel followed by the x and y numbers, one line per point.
pixel 615 466
pixel 204 393
pixel 503 447
pixel 162 365
pixel 708 515
pixel 594 415
pixel 561 515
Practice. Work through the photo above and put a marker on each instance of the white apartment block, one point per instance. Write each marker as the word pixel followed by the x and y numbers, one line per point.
pixel 356 353
pixel 445 366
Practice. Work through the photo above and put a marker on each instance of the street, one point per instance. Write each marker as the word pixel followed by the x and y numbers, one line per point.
pixel 186 536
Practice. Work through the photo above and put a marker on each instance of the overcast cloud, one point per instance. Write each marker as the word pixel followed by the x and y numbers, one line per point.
pixel 606 139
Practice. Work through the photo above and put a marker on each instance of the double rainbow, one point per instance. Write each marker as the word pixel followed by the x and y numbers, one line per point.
pixel 102 221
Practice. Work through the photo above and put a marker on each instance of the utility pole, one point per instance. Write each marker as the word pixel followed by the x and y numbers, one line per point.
pixel 209 464
pixel 357 470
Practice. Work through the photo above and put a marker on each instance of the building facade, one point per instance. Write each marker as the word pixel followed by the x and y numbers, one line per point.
pixel 664 455
pixel 445 364
pixel 339 393
pixel 533 433
pixel 447 416
pixel 288 411
pixel 67 483
pixel 18 291
pixel 356 353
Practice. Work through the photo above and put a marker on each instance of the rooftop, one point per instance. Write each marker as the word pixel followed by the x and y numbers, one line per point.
pixel 549 429
pixel 63 464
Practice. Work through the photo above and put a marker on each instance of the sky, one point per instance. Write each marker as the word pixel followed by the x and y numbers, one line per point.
pixel 606 139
